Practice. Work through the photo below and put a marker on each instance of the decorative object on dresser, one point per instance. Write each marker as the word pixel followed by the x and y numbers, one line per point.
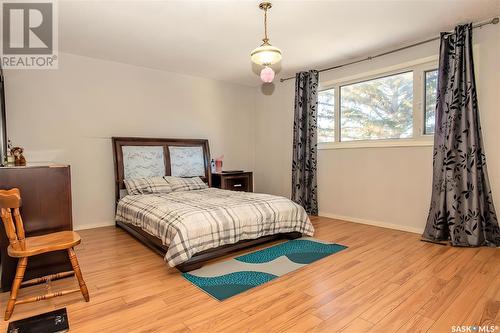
pixel 24 248
pixel 10 159
pixel 19 159
pixel 46 190
pixel 234 181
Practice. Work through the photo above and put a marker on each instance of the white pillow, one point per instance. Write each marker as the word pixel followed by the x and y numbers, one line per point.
pixel 149 185
pixel 185 184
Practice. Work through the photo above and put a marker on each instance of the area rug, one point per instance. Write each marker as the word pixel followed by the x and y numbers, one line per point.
pixel 228 278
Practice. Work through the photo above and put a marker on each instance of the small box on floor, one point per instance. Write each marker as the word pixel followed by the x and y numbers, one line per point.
pixel 49 322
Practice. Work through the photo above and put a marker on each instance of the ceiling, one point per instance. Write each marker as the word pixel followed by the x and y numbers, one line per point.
pixel 213 39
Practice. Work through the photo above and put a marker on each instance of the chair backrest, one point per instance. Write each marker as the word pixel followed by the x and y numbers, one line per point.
pixel 10 201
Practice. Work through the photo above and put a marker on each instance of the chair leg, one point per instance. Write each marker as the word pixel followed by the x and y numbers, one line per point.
pixel 78 274
pixel 21 268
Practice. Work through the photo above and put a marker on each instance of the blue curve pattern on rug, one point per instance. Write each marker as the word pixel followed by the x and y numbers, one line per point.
pixel 247 275
pixel 300 251
pixel 225 286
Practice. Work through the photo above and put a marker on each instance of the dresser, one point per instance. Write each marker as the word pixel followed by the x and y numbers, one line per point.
pixel 46 207
pixel 234 181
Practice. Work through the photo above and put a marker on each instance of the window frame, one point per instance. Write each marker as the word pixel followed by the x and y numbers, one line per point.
pixel 418 67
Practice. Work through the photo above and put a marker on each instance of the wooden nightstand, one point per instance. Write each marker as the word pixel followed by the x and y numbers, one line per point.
pixel 237 181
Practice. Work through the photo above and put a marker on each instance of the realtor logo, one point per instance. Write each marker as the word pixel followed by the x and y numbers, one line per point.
pixel 29 35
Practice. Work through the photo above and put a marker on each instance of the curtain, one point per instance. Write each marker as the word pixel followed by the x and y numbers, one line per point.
pixel 461 208
pixel 304 186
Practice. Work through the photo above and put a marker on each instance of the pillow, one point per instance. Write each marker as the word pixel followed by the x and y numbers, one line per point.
pixel 185 184
pixel 149 185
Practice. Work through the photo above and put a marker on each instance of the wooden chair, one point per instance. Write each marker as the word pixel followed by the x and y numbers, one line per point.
pixel 24 247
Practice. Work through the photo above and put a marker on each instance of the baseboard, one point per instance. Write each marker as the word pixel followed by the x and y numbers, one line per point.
pixel 325 214
pixel 94 225
pixel 374 223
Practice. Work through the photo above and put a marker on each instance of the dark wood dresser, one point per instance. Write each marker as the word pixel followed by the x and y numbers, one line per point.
pixel 234 181
pixel 46 207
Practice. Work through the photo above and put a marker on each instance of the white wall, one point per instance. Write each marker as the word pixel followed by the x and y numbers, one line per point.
pixel 386 186
pixel 69 115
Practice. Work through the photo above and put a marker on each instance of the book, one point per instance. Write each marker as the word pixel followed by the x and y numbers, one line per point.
pixel 50 322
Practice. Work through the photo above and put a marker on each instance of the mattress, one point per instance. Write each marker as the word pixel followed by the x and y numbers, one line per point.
pixel 188 222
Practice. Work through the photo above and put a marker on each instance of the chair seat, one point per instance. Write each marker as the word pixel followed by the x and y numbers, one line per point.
pixel 46 243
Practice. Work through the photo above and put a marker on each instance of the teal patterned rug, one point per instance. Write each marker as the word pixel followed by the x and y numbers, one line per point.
pixel 228 278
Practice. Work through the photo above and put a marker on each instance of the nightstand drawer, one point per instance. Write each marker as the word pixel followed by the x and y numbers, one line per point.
pixel 237 183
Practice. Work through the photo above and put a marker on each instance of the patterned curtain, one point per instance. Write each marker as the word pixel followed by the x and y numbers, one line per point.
pixel 461 205
pixel 305 141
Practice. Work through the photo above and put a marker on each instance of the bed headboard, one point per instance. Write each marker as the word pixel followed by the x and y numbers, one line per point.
pixel 149 157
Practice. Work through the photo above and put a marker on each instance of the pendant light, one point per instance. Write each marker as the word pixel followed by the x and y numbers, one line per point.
pixel 266 54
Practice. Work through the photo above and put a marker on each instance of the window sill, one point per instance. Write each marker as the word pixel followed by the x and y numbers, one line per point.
pixel 376 144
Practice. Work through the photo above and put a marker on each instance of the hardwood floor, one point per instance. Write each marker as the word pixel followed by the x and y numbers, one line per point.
pixel 386 281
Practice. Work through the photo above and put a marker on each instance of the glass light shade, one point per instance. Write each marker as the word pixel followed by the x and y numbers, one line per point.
pixel 266 55
pixel 267 74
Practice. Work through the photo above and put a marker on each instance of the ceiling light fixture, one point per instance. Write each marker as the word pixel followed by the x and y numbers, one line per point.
pixel 266 54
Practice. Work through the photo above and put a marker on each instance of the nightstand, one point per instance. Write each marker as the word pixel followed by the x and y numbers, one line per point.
pixel 236 181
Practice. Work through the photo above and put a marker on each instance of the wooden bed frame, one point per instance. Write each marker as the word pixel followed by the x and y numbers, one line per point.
pixel 155 243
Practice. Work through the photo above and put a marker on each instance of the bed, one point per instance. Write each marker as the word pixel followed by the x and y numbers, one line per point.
pixel 191 227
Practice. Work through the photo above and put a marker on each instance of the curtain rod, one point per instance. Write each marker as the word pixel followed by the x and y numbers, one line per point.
pixel 494 20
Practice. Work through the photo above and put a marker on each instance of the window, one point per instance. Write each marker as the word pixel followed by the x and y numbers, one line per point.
pixel 430 100
pixel 326 116
pixel 391 107
pixel 377 109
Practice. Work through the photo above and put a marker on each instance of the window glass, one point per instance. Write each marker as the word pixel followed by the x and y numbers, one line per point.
pixel 381 108
pixel 326 115
pixel 431 79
